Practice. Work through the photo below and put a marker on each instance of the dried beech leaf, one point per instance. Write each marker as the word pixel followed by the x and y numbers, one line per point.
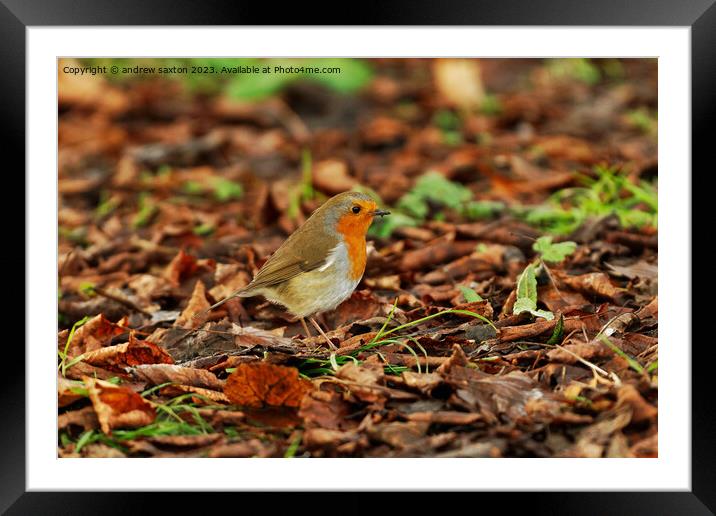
pixel 256 384
pixel 129 354
pixel 118 407
pixel 156 374
pixel 197 303
pixel 94 334
pixel 182 266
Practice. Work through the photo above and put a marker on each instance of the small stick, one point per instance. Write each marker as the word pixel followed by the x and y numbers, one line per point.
pixel 121 300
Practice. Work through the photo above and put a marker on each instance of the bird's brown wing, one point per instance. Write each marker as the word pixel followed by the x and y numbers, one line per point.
pixel 289 261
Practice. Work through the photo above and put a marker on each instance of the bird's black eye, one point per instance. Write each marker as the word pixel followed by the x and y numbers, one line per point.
pixel 355 209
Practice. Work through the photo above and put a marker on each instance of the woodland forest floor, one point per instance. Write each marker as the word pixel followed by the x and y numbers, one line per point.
pixel 509 306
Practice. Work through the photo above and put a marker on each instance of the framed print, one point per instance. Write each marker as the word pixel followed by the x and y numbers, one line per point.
pixel 388 256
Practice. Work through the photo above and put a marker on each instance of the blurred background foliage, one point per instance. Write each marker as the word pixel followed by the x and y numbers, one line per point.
pixel 600 191
pixel 210 80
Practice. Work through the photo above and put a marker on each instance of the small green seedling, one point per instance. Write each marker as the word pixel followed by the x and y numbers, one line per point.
pixel 558 332
pixel 553 252
pixel 527 295
pixel 63 354
pixel 147 209
pixel 470 295
pixel 226 190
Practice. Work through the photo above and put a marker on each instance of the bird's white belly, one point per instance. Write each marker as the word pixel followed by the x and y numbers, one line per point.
pixel 322 289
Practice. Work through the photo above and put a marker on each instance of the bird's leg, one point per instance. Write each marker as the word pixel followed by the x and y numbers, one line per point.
pixel 314 323
pixel 305 328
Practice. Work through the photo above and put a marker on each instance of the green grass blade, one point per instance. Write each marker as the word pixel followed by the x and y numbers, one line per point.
pixel 433 316
pixel 632 363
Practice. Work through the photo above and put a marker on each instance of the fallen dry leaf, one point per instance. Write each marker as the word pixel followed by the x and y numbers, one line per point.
pixel 332 177
pixel 493 395
pixel 259 383
pixel 627 395
pixel 197 304
pixel 182 266
pixel 203 396
pixel 118 407
pixel 325 409
pixel 364 381
pixel 130 354
pixel 399 434
pixel 424 382
pixel 67 391
pixel 445 417
pixel 94 334
pixel 316 438
pixel 156 374
pixel 459 81
pixel 86 418
pixel 595 283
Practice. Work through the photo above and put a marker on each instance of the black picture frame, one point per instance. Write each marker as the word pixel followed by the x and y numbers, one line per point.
pixel 17 15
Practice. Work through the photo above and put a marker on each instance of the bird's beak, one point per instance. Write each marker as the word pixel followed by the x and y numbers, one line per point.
pixel 380 213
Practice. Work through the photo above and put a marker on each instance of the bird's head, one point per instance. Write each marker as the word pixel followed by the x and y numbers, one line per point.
pixel 351 213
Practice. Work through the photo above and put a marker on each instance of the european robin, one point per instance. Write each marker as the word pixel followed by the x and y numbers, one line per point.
pixel 321 263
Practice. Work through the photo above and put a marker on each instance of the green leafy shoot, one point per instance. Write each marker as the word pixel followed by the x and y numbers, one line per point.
pixel 384 227
pixel 610 192
pixel 476 210
pixel 558 332
pixel 433 187
pixel 354 74
pixel 580 69
pixel 217 76
pixel 470 295
pixel 431 195
pixel 449 124
pixel 87 288
pixel 203 229
pixel 226 190
pixel 147 209
pixel 307 191
pixel 107 205
pixel 643 120
pixel 77 235
pixel 491 105
pixel 447 120
pixel 527 295
pixel 304 190
pixel 293 447
pixel 193 188
pixel 553 252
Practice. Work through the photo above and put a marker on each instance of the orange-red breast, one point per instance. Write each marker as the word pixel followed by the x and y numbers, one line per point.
pixel 321 263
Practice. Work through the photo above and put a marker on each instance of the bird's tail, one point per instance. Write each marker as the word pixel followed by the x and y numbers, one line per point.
pixel 242 292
